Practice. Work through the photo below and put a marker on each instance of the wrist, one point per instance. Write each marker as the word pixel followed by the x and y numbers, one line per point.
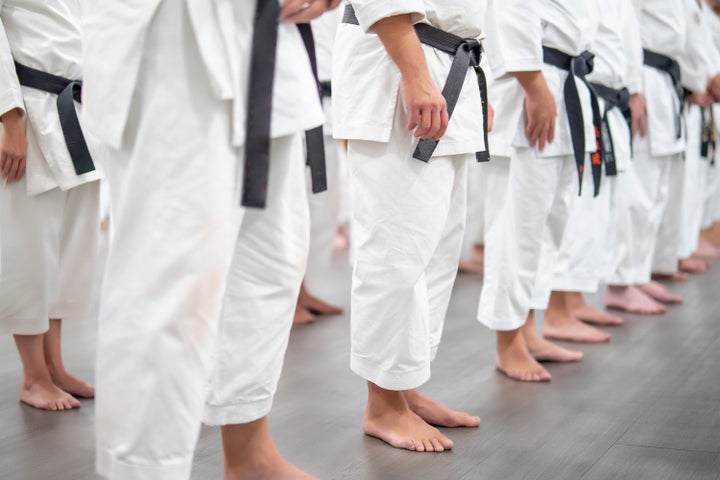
pixel 12 118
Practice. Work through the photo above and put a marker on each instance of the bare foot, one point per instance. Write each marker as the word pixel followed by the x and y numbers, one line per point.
pixel 315 305
pixel 672 277
pixel 707 250
pixel 389 418
pixel 588 313
pixel 545 351
pixel 515 360
pixel 435 413
pixel 302 316
pixel 468 266
pixel 633 300
pixel 567 327
pixel 45 395
pixel 693 265
pixel 73 385
pixel 660 292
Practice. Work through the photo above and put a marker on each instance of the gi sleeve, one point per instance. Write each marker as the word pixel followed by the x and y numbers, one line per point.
pixel 10 92
pixel 633 47
pixel 711 52
pixel 513 36
pixel 693 64
pixel 369 12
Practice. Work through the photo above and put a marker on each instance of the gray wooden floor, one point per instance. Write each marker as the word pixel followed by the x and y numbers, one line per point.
pixel 646 406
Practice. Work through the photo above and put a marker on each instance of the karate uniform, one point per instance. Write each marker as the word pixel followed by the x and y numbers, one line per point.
pixel 711 196
pixel 524 232
pixel 409 216
pixel 199 293
pixel 699 63
pixel 325 207
pixel 49 220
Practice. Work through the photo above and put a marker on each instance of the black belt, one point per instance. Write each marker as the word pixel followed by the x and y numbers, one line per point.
pixel 326 89
pixel 672 68
pixel 259 112
pixel 707 135
pixel 579 67
pixel 467 53
pixel 314 139
pixel 619 99
pixel 68 92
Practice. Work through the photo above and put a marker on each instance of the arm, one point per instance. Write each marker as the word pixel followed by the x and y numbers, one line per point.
pixel 13 143
pixel 634 55
pixel 426 105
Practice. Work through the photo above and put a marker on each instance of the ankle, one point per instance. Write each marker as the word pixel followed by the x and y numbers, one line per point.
pixel 381 401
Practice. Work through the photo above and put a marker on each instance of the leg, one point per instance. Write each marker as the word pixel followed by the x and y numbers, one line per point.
pixel 52 346
pixel 561 324
pixel 250 454
pixel 38 389
pixel 174 223
pixel 515 360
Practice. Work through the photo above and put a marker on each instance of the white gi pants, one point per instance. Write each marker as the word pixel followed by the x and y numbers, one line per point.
pixel 409 218
pixel 627 237
pixel 177 231
pixel 324 217
pixel 580 259
pixel 527 234
pixel 49 252
pixel 693 195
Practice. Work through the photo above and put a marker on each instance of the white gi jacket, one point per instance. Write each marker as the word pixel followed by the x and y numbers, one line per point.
pixel 324 30
pixel 696 59
pixel 662 30
pixel 516 32
pixel 618 58
pixel 366 82
pixel 44 35
pixel 112 50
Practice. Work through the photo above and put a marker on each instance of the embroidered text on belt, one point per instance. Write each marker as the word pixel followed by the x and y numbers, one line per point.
pixel 259 112
pixel 619 99
pixel 467 53
pixel 579 67
pixel 68 92
pixel 672 69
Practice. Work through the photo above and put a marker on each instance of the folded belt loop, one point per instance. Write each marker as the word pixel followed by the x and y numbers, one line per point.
pixel 467 53
pixel 68 92
pixel 579 67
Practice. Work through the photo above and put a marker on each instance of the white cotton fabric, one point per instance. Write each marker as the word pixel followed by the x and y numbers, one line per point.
pixel 534 213
pixel 366 82
pixel 48 252
pixel 693 195
pixel 44 35
pixel 408 222
pixel 178 268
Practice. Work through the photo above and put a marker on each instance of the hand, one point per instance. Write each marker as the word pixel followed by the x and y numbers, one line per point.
pixel 302 11
pixel 540 109
pixel 638 109
pixel 426 107
pixel 714 87
pixel 13 146
pixel 703 99
pixel 491 117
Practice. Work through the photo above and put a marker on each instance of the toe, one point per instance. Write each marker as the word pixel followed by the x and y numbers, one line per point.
pixel 419 446
pixel 437 446
pixel 427 444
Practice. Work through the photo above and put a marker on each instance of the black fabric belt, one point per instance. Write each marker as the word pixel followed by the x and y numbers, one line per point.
pixel 326 89
pixel 68 92
pixel 672 68
pixel 467 53
pixel 259 111
pixel 579 67
pixel 707 135
pixel 314 139
pixel 619 99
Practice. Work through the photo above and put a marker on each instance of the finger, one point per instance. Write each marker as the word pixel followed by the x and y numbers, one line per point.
pixel 542 138
pixel 444 122
pixel 414 119
pixel 21 168
pixel 533 132
pixel 435 125
pixel 425 123
pixel 290 7
pixel 4 165
pixel 305 15
pixel 491 117
pixel 12 173
pixel 643 127
pixel 551 131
